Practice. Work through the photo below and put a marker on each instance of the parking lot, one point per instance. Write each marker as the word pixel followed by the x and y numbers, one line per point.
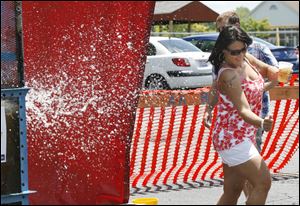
pixel 284 190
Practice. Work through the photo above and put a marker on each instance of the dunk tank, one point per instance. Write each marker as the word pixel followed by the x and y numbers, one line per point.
pixel 84 64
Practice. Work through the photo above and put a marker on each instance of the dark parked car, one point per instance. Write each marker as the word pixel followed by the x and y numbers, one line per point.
pixel 206 42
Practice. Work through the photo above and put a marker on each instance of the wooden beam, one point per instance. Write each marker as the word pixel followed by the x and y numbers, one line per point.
pixel 189 26
pixel 286 92
pixel 168 98
pixel 171 28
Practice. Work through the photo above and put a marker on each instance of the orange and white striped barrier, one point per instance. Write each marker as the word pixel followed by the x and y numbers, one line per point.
pixel 171 144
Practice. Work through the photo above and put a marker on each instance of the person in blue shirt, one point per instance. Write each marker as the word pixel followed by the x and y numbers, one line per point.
pixel 264 54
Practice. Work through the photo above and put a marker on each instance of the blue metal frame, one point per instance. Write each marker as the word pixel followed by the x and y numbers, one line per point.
pixel 23 196
pixel 8 56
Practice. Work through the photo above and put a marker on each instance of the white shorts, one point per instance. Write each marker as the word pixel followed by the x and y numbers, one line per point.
pixel 239 153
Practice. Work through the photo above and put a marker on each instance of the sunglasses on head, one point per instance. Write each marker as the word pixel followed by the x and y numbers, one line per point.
pixel 237 52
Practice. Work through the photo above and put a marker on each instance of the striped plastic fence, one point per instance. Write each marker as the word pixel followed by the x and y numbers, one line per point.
pixel 171 144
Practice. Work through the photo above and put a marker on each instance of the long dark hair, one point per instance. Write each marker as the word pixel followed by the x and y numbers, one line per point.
pixel 226 37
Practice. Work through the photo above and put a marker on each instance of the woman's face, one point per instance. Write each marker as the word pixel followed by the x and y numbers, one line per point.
pixel 234 54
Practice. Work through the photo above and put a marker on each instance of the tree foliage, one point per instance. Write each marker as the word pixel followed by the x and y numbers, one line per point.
pixel 250 24
pixel 196 27
pixel 247 23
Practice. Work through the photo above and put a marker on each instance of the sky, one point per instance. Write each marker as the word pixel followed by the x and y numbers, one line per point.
pixel 222 6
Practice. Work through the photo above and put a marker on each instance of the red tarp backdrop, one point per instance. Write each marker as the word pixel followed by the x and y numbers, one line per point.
pixel 84 62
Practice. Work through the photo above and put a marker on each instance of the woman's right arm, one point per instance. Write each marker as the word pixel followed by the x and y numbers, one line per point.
pixel 211 103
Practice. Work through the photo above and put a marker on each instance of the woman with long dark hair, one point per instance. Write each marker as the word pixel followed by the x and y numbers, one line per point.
pixel 240 87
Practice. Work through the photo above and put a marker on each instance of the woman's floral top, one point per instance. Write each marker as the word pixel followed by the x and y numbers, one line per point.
pixel 230 129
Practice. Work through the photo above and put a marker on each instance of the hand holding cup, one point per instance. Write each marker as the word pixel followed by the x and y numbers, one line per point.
pixel 285 69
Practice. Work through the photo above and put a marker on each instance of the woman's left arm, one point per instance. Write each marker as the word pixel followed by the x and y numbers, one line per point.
pixel 269 85
pixel 267 71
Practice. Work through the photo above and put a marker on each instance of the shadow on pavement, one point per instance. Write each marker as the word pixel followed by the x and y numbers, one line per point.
pixel 197 184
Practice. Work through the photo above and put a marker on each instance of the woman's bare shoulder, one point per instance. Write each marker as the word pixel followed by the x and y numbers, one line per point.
pixel 227 73
pixel 229 78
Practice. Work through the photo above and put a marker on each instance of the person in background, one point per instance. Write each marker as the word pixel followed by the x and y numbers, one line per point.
pixel 239 86
pixel 297 53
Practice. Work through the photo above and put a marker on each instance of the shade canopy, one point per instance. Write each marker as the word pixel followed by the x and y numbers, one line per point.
pixel 183 12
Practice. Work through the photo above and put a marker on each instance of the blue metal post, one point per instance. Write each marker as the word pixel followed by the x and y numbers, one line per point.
pixel 22 197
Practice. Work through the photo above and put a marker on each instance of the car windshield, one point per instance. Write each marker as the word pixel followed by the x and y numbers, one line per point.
pixel 177 46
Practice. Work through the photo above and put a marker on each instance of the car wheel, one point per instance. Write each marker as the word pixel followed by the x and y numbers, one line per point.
pixel 156 82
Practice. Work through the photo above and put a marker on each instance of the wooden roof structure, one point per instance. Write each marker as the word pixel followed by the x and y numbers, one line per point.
pixel 182 12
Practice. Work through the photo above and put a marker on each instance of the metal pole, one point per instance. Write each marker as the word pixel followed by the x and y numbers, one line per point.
pixel 171 27
pixel 277 37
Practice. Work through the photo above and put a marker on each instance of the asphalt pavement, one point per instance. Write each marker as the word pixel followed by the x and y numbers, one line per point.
pixel 284 190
